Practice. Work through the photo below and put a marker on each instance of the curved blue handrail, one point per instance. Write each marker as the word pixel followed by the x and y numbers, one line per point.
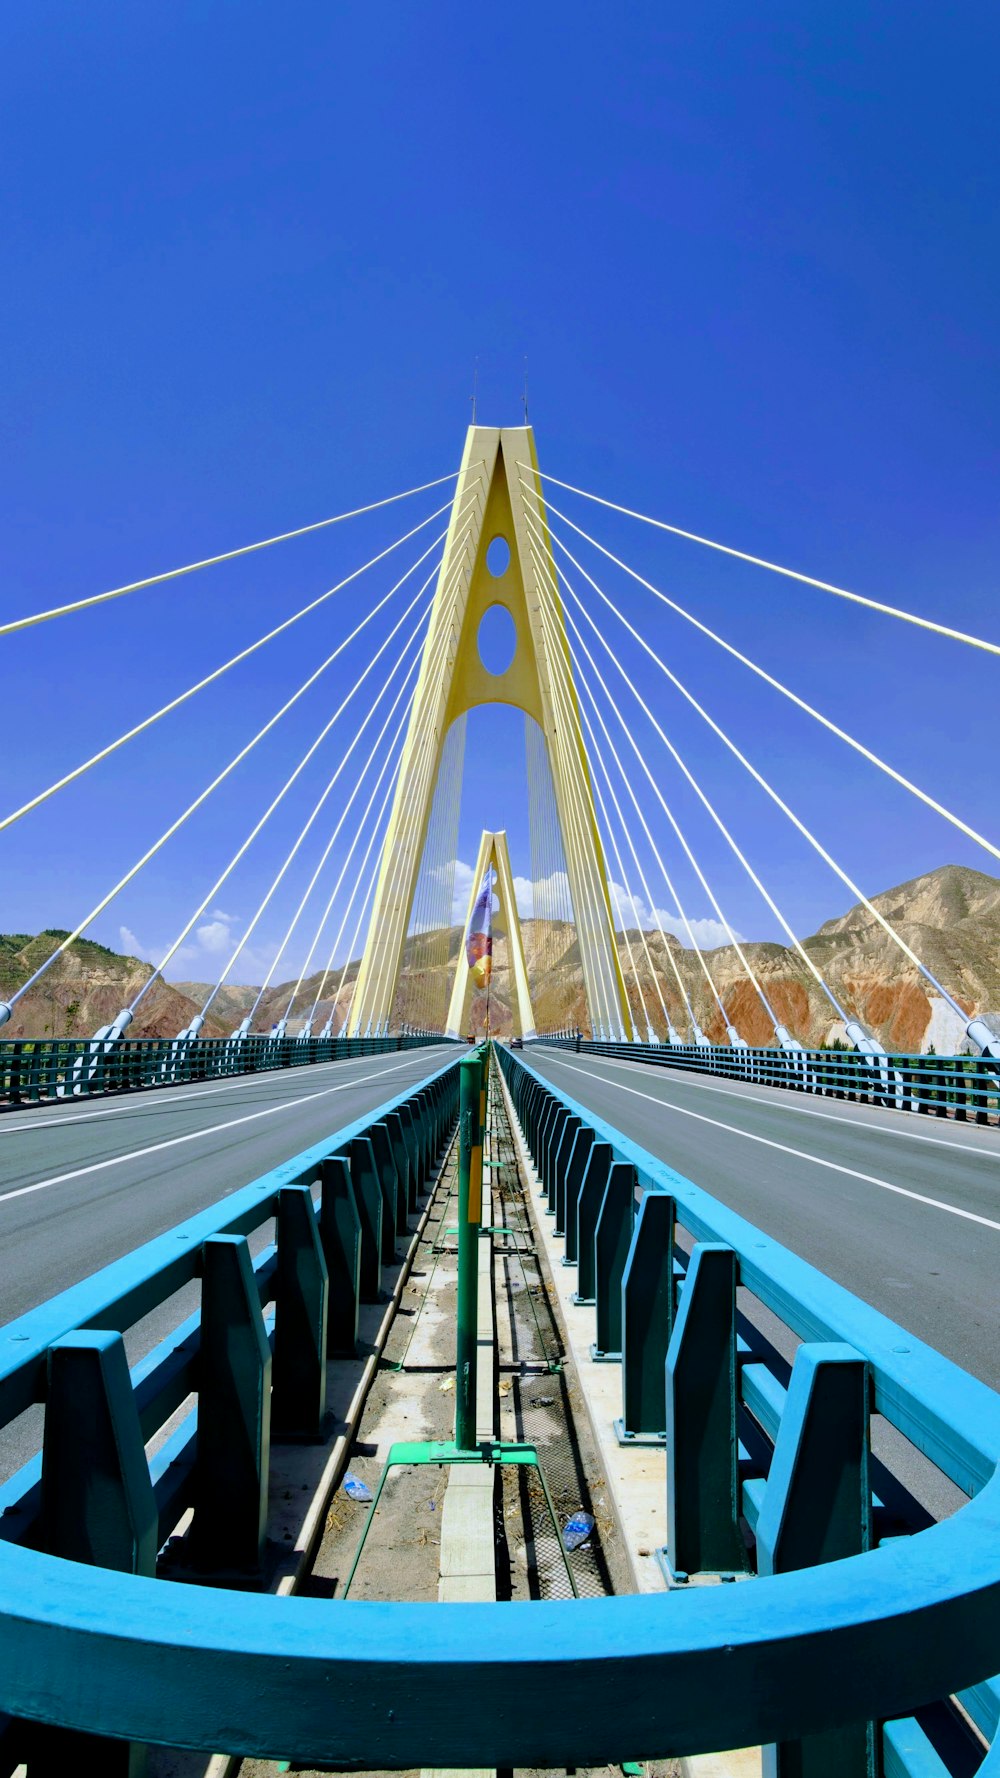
pixel 577 1681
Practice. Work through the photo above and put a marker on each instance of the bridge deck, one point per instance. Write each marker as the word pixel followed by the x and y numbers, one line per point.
pixel 85 1183
pixel 841 1185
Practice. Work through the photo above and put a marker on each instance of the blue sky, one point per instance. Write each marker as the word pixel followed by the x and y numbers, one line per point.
pixel 250 258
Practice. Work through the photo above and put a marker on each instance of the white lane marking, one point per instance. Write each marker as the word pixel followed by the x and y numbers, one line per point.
pixel 40 1185
pixel 799 1153
pixel 852 1123
pixel 189 1095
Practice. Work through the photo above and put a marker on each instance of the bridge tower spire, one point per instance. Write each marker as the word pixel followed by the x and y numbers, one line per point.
pixel 497 496
pixel 494 855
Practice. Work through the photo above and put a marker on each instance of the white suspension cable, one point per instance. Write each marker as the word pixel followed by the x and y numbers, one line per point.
pixel 423 754
pixel 734 941
pixel 303 762
pixel 352 951
pixel 346 756
pixel 666 876
pixel 244 654
pixel 358 880
pixel 635 913
pixel 705 884
pixel 335 835
pixel 422 746
pixel 642 875
pixel 867 753
pixel 588 866
pixel 696 787
pixel 887 927
pixel 335 891
pixel 825 586
pixel 628 887
pixel 229 555
pixel 206 793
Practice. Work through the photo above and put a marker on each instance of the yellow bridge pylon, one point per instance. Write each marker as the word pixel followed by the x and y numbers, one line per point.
pixel 497 495
pixel 493 854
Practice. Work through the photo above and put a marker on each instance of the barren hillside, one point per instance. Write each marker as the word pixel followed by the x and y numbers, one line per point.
pixel 950 917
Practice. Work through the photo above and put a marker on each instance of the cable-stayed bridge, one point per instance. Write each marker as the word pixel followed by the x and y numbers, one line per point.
pixel 866 1179
pixel 385 867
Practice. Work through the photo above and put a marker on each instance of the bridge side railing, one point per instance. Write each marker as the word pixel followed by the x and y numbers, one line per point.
pixel 249 1364
pixel 90 1641
pixel 769 1460
pixel 966 1088
pixel 35 1070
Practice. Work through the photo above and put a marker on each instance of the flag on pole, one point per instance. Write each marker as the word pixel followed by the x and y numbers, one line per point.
pixel 479 938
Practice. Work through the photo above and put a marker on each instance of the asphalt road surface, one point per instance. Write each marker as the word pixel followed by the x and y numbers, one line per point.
pixel 903 1211
pixel 81 1184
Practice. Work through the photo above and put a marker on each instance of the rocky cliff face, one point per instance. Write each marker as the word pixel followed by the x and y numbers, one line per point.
pixel 950 918
pixel 85 989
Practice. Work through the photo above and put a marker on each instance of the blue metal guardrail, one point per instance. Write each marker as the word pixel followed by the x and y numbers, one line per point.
pixel 807 1652
pixel 255 1357
pixel 962 1087
pixel 37 1069
pixel 769 1464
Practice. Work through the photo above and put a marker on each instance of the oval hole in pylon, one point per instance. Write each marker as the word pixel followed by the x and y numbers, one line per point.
pixel 498 557
pixel 496 639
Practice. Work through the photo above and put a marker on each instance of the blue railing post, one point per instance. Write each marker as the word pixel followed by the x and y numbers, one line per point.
pixel 414 1151
pixel 647 1318
pixel 393 1188
pixel 341 1232
pixel 302 1287
pixel 234 1413
pixel 576 1167
pixel 545 1117
pixel 400 1154
pixel 421 1112
pixel 818 1508
pixel 588 1208
pixel 377 1205
pixel 97 1498
pixel 612 1240
pixel 557 1127
pixel 703 1533
pixel 97 1507
pixel 571 1126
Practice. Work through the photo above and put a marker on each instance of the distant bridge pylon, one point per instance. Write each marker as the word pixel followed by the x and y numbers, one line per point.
pixel 494 856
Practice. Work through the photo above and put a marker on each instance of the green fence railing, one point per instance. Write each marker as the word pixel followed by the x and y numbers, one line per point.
pixel 33 1070
pixel 963 1087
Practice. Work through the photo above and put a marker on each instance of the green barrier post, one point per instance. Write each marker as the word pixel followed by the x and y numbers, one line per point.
pixel 470 1210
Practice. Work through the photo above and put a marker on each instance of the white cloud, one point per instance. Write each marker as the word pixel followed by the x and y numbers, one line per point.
pixel 707 932
pixel 253 963
pixel 133 946
pixel 553 891
pixel 461 891
pixel 213 937
pixel 544 898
